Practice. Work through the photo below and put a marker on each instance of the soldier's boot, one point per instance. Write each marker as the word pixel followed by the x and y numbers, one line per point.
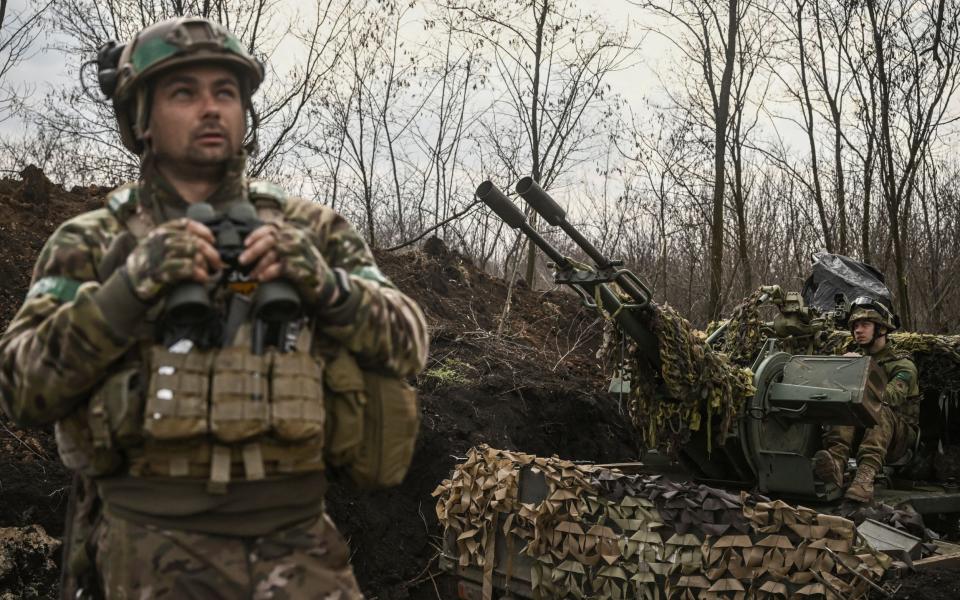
pixel 828 467
pixel 861 490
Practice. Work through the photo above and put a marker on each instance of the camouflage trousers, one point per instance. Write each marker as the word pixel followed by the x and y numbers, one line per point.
pixel 886 441
pixel 305 561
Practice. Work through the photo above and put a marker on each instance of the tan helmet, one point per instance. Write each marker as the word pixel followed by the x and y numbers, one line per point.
pixel 170 43
pixel 868 309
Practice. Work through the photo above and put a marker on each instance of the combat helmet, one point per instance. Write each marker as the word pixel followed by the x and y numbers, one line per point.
pixel 124 70
pixel 865 308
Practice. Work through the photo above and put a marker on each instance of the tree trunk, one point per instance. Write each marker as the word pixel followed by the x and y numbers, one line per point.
pixel 720 138
pixel 535 136
pixel 891 192
pixel 841 193
pixel 867 189
pixel 808 121
pixel 740 200
pixel 834 100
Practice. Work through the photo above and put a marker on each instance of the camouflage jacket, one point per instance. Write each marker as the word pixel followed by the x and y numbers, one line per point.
pixel 72 329
pixel 902 392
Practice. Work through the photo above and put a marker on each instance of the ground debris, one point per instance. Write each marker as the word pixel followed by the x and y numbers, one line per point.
pixel 27 563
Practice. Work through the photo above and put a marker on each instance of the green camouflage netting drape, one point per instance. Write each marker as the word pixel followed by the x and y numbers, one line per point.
pixel 699 386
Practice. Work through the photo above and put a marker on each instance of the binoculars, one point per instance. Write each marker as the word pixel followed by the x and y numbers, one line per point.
pixel 189 303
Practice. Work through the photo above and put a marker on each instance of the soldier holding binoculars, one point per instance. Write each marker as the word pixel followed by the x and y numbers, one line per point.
pixel 206 347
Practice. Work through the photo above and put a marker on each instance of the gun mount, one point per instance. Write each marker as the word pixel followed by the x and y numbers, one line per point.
pixel 798 382
pixel 776 429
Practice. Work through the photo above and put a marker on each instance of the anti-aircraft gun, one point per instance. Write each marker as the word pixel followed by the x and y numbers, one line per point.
pixel 771 439
pixel 753 424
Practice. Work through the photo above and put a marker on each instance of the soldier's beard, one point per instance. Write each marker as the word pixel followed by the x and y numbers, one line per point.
pixel 210 155
pixel 197 162
pixel 204 159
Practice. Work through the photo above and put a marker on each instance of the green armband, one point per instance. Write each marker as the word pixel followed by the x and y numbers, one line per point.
pixel 63 289
pixel 372 273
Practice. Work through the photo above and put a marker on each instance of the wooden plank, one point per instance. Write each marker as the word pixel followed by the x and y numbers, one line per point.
pixel 945 561
pixel 946 547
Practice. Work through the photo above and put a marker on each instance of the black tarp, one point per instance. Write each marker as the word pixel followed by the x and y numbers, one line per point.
pixel 833 274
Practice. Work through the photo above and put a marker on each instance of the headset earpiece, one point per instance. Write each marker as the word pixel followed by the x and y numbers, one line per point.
pixel 108 57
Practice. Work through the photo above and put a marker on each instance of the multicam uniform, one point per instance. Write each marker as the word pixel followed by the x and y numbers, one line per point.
pixel 165 532
pixel 898 426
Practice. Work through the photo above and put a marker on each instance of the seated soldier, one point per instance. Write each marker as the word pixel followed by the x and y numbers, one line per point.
pixel 897 429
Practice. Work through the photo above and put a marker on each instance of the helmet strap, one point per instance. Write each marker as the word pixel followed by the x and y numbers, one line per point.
pixel 254 144
pixel 141 114
pixel 876 334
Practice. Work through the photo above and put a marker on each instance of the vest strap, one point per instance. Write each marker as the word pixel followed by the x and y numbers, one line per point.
pixel 253 462
pixel 219 470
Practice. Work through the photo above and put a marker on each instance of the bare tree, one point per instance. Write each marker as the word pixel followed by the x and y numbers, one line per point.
pixel 914 97
pixel 440 126
pixel 753 34
pixel 863 89
pixel 709 43
pixel 832 22
pixel 667 217
pixel 551 62
pixel 18 32
pixel 801 91
pixel 358 104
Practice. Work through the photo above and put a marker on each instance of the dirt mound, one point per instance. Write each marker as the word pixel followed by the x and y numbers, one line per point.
pixel 534 387
pixel 32 209
pixel 34 486
pixel 528 382
pixel 27 565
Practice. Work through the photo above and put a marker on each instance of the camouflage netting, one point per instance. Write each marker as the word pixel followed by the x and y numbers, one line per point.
pixel 700 384
pixel 706 388
pixel 601 534
pixel 744 335
pixel 747 331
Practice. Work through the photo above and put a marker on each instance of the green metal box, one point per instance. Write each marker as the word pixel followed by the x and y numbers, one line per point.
pixel 832 390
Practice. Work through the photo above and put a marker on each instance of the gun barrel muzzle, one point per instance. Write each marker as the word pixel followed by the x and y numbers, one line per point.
pixel 541 201
pixel 490 194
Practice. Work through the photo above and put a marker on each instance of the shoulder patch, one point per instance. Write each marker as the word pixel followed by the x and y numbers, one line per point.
pixel 904 375
pixel 266 190
pixel 372 273
pixel 63 289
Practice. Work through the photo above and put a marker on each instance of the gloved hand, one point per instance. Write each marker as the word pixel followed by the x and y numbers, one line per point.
pixel 177 251
pixel 287 252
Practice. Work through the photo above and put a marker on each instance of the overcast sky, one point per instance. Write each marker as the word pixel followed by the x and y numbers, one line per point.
pixel 47 69
pixel 637 84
